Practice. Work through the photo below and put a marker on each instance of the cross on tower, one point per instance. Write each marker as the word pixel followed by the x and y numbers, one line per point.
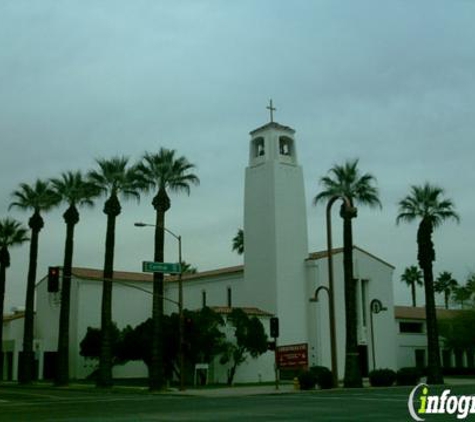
pixel 271 109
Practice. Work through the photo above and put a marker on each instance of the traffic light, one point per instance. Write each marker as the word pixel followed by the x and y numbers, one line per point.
pixel 274 327
pixel 53 279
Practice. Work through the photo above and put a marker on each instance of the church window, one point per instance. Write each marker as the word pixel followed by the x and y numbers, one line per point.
pixel 229 297
pixel 285 146
pixel 259 150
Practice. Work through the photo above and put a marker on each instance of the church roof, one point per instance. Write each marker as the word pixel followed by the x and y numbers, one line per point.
pixel 335 251
pixel 11 317
pixel 411 312
pixel 129 276
pixel 273 125
pixel 225 310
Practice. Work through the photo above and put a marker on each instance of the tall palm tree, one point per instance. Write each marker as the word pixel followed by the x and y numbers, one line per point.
pixel 426 204
pixel 445 284
pixel 162 172
pixel 75 191
pixel 412 276
pixel 38 198
pixel 12 233
pixel 360 189
pixel 238 242
pixel 114 178
pixel 461 294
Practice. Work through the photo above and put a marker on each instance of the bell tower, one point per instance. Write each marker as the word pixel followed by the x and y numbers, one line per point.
pixel 275 230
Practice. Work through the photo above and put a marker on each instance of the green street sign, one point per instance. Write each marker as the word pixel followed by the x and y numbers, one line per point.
pixel 161 267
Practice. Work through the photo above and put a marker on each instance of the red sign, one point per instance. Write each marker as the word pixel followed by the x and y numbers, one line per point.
pixel 292 356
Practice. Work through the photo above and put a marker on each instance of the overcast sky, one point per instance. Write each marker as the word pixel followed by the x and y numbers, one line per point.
pixel 389 82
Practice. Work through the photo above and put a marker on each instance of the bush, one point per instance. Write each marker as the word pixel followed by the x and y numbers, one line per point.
pixel 382 377
pixel 307 380
pixel 323 376
pixel 408 376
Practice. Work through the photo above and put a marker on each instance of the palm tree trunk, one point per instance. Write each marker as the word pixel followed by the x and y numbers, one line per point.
pixel 352 376
pixel 3 273
pixel 426 255
pixel 62 376
pixel 26 371
pixel 112 210
pixel 161 203
pixel 413 293
pixel 446 299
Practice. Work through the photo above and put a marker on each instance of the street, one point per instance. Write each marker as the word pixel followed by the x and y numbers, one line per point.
pixel 35 404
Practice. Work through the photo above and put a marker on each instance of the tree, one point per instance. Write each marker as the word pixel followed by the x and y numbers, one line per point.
pixel 359 188
pixel 426 204
pixel 445 284
pixel 458 331
pixel 12 233
pixel 187 268
pixel 251 340
pixel 90 345
pixel 75 191
pixel 461 294
pixel 114 178
pixel 238 242
pixel 38 198
pixel 412 276
pixel 163 172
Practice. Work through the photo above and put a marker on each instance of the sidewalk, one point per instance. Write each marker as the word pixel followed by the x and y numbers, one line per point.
pixel 236 391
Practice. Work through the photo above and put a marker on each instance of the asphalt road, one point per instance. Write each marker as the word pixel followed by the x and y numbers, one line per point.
pixel 32 405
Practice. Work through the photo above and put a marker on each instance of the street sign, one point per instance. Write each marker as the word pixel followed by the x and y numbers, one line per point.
pixel 292 356
pixel 161 267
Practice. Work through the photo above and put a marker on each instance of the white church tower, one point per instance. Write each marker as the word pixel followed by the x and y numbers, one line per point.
pixel 275 230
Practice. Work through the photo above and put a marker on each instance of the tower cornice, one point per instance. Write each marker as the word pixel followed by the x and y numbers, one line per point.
pixel 273 125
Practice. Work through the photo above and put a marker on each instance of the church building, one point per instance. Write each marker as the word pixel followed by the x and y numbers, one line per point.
pixel 278 279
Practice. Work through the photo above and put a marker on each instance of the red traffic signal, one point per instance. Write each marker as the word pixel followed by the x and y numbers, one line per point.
pixel 53 279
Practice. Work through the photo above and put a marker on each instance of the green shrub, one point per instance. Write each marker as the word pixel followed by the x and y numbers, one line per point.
pixel 307 380
pixel 408 376
pixel 382 377
pixel 323 376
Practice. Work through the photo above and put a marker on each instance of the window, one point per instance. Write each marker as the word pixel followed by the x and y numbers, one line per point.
pixel 229 298
pixel 259 150
pixel 203 298
pixel 364 300
pixel 446 358
pixel 285 147
pixel 411 327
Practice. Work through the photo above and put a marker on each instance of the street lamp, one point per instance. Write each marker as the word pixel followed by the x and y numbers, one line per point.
pixel 181 325
pixel 375 307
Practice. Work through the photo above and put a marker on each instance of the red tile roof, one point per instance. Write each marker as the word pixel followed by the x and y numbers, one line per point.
pixel 12 317
pixel 410 312
pixel 335 251
pixel 225 310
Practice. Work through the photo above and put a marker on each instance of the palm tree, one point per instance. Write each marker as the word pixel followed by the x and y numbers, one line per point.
pixel 38 198
pixel 412 276
pixel 445 284
pixel 238 242
pixel 163 171
pixel 12 233
pixel 187 268
pixel 359 188
pixel 75 191
pixel 114 178
pixel 461 294
pixel 426 203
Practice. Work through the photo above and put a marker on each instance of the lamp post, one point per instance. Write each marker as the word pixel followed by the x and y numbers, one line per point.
pixel 331 290
pixel 375 307
pixel 181 325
